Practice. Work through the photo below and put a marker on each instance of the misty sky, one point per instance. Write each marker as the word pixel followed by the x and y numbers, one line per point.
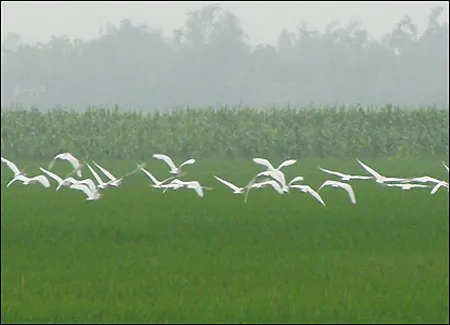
pixel 263 21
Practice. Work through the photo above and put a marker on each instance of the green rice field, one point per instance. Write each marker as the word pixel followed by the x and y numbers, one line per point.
pixel 141 256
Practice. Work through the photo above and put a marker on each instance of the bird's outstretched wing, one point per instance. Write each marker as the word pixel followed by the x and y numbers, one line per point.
pixel 370 170
pixel 82 187
pixel 97 178
pixel 263 162
pixel 187 162
pixel 230 185
pixel 106 172
pixel 287 163
pixel 11 166
pixel 349 190
pixel 331 172
pixel 166 159
pixel 152 178
pixel 52 175
pixel 196 186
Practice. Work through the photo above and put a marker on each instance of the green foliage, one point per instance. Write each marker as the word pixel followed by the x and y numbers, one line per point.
pixel 227 132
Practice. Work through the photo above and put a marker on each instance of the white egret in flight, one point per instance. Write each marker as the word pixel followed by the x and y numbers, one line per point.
pixel 344 177
pixel 380 178
pixel 173 169
pixel 70 158
pixel 344 186
pixel 91 195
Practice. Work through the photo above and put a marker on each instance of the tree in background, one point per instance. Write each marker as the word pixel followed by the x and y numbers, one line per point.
pixel 209 62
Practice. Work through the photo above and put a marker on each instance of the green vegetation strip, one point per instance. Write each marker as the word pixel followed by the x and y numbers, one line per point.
pixel 142 256
pixel 227 132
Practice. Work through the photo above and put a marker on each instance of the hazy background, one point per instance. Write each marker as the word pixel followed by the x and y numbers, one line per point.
pixel 160 55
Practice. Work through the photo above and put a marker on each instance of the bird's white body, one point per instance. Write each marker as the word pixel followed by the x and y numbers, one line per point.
pixel 70 158
pixel 173 169
pixel 445 166
pixel 344 186
pixel 270 183
pixel 177 184
pixel 91 195
pixel 275 173
pixel 344 177
pixel 424 179
pixel 406 186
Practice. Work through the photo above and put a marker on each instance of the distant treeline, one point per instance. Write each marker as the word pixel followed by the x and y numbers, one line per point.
pixel 209 62
pixel 226 133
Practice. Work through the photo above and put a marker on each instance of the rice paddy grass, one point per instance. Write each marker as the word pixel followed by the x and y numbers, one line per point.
pixel 141 256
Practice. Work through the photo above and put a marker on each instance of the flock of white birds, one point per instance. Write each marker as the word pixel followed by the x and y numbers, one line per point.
pixel 271 177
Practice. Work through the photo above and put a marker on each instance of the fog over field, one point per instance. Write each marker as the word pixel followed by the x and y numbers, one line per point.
pixel 150 56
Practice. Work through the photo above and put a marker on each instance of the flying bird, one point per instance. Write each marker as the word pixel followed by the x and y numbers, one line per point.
pixel 269 166
pixel 309 190
pixel 277 187
pixel 423 179
pixel 67 181
pixel 173 169
pixel 27 180
pixel 177 184
pixel 14 168
pixel 380 178
pixel 100 182
pixel 344 186
pixel 91 195
pixel 70 158
pixel 276 175
pixel 156 183
pixel 22 177
pixel 236 189
pixel 113 181
pixel 344 177
pixel 406 186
